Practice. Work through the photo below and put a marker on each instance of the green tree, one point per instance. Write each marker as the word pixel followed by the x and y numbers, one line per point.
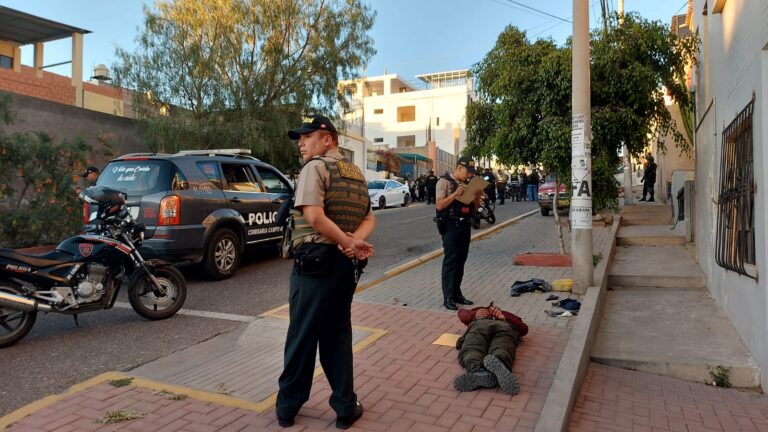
pixel 38 195
pixel 522 113
pixel 239 73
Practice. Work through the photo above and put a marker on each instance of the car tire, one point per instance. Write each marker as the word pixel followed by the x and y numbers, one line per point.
pixel 382 203
pixel 222 256
pixel 406 200
pixel 544 211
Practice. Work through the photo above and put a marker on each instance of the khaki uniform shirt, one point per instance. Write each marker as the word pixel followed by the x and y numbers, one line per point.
pixel 311 185
pixel 444 187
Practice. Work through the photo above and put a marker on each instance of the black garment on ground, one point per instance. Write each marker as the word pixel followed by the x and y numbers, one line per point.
pixel 487 336
pixel 320 318
pixel 520 287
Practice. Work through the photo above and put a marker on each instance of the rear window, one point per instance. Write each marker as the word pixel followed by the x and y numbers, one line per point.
pixel 136 177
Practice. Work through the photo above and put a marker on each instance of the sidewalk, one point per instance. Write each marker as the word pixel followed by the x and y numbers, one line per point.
pixel 402 377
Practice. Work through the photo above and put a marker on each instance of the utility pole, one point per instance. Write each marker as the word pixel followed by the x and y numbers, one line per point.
pixel 581 153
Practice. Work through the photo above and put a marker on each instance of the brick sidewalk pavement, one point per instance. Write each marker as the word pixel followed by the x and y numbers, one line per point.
pixel 617 400
pixel 403 379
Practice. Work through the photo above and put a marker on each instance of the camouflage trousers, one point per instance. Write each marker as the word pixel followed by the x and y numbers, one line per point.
pixel 487 336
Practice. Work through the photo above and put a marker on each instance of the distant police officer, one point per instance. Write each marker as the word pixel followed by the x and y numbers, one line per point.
pixel 454 219
pixel 332 218
pixel 431 186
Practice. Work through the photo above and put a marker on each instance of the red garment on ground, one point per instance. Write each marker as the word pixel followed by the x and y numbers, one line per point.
pixel 467 316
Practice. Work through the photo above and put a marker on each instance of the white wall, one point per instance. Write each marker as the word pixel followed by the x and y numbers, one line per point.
pixel 448 104
pixel 737 40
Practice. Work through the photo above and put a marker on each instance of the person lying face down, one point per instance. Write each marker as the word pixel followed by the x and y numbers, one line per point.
pixel 487 349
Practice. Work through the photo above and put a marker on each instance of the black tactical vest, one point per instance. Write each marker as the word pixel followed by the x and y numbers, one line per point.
pixel 457 209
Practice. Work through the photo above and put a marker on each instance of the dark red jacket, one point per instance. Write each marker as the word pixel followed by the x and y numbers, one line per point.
pixel 467 316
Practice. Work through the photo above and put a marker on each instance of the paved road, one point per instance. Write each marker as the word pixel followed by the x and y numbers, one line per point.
pixel 57 354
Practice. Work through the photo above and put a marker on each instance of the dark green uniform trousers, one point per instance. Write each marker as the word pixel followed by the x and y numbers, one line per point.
pixel 487 336
pixel 456 248
pixel 320 316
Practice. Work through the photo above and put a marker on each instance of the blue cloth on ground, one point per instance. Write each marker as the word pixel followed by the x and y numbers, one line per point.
pixel 520 287
pixel 569 304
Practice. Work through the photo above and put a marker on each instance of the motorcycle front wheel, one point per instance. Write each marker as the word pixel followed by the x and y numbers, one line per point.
pixel 14 324
pixel 158 305
pixel 491 218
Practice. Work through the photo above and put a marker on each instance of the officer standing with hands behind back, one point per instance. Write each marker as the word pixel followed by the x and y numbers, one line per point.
pixel 454 223
pixel 331 220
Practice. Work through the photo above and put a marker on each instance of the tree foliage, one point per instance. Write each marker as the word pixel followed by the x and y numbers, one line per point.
pixel 39 201
pixel 522 114
pixel 239 73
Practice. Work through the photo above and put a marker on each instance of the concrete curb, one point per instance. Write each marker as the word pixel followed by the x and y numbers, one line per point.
pixel 561 398
pixel 436 253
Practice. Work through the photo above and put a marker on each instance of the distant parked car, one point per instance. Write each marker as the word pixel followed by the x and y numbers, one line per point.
pixel 547 196
pixel 388 192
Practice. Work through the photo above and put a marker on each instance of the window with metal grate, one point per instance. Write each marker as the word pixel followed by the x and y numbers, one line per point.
pixel 735 241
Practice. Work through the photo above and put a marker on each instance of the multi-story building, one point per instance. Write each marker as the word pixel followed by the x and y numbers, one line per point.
pixel 731 184
pixel 389 111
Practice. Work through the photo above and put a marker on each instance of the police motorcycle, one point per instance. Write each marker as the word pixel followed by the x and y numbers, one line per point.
pixel 484 212
pixel 85 272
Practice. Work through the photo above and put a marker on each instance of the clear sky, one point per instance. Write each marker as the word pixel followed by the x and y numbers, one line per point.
pixel 411 36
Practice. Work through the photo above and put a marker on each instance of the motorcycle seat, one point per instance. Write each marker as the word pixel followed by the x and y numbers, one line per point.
pixel 45 260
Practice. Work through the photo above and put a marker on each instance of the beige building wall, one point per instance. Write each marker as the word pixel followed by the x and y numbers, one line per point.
pixel 733 69
pixel 101 103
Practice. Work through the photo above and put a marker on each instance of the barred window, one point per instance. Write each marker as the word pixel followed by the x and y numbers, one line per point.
pixel 735 242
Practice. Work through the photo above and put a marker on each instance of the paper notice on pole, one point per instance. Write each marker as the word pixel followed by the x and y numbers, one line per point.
pixel 577 135
pixel 581 213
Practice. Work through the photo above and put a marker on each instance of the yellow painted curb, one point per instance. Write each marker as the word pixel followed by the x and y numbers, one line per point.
pixel 205 396
pixel 436 253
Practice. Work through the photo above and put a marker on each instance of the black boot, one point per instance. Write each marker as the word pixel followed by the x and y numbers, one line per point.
pixel 450 305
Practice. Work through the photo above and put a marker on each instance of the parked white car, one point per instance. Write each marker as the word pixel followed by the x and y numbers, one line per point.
pixel 385 193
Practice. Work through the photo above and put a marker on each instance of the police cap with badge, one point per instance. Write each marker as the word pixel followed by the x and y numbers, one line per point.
pixel 312 123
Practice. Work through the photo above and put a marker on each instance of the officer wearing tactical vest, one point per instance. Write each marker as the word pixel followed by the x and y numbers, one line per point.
pixel 332 218
pixel 455 218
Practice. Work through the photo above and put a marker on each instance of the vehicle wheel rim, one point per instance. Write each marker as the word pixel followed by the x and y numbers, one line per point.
pixel 165 299
pixel 224 255
pixel 10 319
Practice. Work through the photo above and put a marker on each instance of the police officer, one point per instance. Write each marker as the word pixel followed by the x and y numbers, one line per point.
pixel 431 187
pixel 490 190
pixel 649 178
pixel 455 218
pixel 332 218
pixel 501 183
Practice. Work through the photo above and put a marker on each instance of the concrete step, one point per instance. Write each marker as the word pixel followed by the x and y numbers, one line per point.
pixel 646 330
pixel 648 235
pixel 655 266
pixel 646 214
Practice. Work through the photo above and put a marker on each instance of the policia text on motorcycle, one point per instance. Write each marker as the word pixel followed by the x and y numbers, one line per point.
pixel 454 223
pixel 331 220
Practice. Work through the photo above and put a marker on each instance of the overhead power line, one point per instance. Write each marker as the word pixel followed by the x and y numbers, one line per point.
pixel 539 11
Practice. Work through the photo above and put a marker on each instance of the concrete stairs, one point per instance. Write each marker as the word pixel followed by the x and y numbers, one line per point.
pixel 658 315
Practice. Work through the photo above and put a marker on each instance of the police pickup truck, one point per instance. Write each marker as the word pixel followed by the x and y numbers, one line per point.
pixel 200 206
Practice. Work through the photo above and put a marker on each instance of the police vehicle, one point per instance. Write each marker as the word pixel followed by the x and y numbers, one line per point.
pixel 200 206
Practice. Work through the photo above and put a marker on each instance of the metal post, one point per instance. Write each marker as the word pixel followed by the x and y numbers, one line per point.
pixel 581 153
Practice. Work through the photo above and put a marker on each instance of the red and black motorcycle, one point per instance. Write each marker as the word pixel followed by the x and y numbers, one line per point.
pixel 85 272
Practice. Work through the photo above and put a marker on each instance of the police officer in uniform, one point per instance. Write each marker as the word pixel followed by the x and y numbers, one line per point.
pixel 431 185
pixel 455 227
pixel 331 219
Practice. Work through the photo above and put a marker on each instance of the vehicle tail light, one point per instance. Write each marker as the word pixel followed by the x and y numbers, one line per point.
pixel 170 211
pixel 86 213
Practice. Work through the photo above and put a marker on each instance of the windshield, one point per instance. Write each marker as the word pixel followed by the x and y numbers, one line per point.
pixel 376 184
pixel 136 177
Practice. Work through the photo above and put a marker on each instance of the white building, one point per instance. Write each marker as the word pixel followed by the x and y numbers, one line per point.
pixel 731 184
pixel 387 110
